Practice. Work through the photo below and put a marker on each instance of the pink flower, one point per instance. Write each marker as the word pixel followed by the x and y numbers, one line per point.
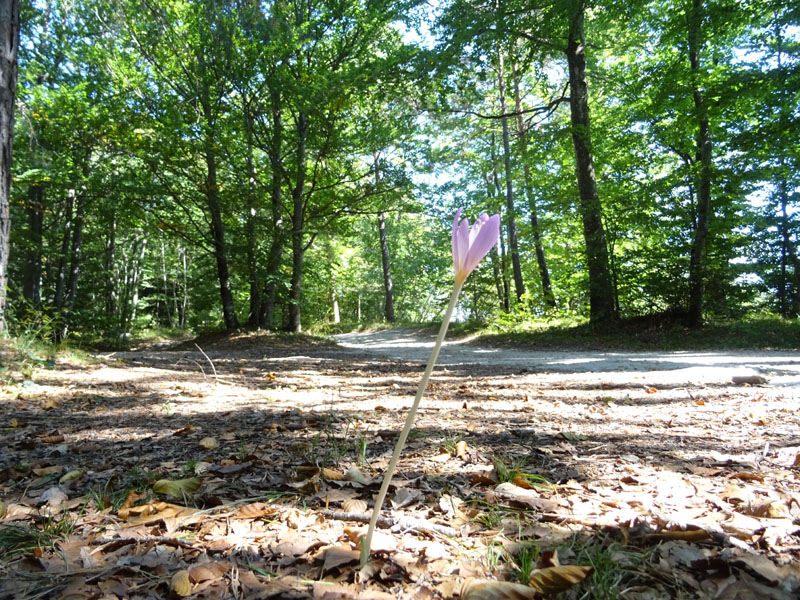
pixel 470 244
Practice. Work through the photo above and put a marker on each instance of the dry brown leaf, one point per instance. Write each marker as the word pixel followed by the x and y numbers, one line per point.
pixel 209 443
pixel 176 487
pixel 74 474
pixel 45 471
pixel 184 431
pixel 52 439
pixel 355 475
pixel 255 510
pixel 488 589
pixel 209 571
pixel 180 583
pixel 557 579
pixel 354 505
pixel 461 449
pixel 747 476
pixel 339 556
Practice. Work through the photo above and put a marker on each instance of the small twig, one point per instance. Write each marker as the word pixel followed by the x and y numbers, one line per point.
pixel 397 523
pixel 199 366
pixel 132 539
pixel 216 379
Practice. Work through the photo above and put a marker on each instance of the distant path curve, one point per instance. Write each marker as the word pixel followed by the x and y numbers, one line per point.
pixel 664 367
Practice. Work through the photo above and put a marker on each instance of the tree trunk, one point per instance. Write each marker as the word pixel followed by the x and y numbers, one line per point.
pixel 276 200
pixel 495 257
pixel 703 159
pixel 165 280
pixel 9 44
pixel 298 218
pixel 185 300
pixel 544 273
pixel 32 288
pixel 333 297
pixel 519 286
pixel 504 295
pixel 254 316
pixel 111 267
pixel 601 291
pixel 388 287
pixel 63 257
pixel 218 232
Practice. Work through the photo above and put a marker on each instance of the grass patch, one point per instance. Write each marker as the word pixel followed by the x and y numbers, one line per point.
pixel 654 332
pixel 16 540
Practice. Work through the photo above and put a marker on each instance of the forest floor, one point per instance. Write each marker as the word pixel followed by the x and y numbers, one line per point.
pixel 247 470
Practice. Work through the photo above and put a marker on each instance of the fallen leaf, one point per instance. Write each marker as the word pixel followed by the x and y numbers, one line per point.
pixel 255 510
pixel 338 556
pixel 180 583
pixel 176 487
pixel 45 471
pixel 557 579
pixel 53 496
pixel 488 589
pixel 209 443
pixel 355 475
pixel 354 505
pixel 75 474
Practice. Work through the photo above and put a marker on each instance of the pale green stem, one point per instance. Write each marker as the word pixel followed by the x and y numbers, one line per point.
pixel 412 412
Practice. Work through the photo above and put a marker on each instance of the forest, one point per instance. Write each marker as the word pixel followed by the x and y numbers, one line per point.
pixel 295 165
pixel 228 229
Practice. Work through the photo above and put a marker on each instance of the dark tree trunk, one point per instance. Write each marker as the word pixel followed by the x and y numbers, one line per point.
pixel 544 273
pixel 498 283
pixel 276 201
pixel 218 236
pixel 254 314
pixel 388 287
pixel 63 257
pixel 504 295
pixel 519 286
pixel 703 159
pixel 601 290
pixel 111 267
pixel 298 218
pixel 388 306
pixel 9 44
pixel 32 288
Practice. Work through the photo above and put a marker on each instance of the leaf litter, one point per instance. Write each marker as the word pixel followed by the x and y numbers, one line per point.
pixel 141 477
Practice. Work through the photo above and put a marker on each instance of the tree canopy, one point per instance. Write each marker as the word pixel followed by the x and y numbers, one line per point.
pixel 287 165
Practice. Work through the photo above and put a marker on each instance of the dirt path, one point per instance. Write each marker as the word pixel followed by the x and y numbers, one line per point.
pixel 717 367
pixel 687 484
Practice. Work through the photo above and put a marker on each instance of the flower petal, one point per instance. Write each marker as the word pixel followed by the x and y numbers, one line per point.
pixel 485 239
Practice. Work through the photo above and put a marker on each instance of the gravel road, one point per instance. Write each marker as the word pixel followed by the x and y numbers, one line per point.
pixel 651 368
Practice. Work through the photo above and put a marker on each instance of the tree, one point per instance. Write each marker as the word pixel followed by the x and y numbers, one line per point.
pixel 9 45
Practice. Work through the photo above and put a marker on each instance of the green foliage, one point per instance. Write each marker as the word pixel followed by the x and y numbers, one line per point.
pixel 145 168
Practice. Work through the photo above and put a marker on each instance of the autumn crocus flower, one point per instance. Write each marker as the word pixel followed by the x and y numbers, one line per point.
pixel 470 245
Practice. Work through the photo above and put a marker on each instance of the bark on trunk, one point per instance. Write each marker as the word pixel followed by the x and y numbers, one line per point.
pixel 9 44
pixel 601 291
pixel 111 267
pixel 504 295
pixel 217 227
pixel 276 201
pixel 544 272
pixel 519 286
pixel 63 257
pixel 703 159
pixel 32 288
pixel 388 287
pixel 254 314
pixel 298 218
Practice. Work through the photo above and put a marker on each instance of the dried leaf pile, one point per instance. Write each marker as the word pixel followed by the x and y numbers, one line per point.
pixel 147 476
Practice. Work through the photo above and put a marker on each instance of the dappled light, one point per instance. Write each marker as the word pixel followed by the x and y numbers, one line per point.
pixel 290 442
